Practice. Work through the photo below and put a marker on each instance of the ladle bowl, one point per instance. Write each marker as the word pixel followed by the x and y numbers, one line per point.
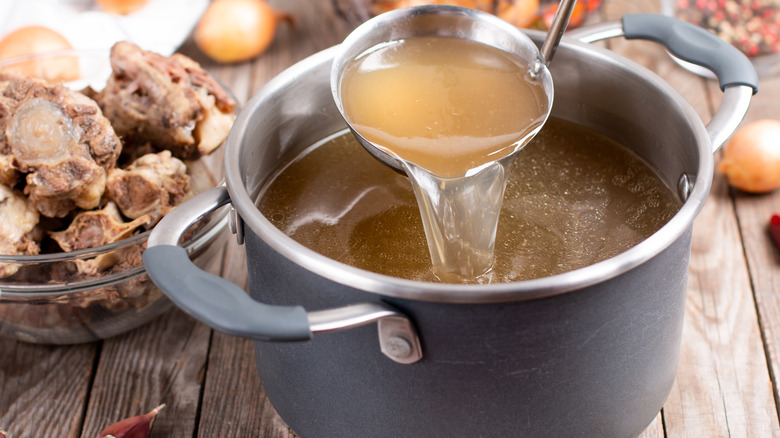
pixel 439 21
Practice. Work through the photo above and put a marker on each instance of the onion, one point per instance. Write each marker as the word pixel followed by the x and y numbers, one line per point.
pixel 521 13
pixel 751 161
pixel 237 30
pixel 35 40
pixel 121 7
pixel 576 18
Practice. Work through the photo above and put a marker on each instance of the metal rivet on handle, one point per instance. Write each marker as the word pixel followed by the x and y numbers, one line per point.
pixel 398 340
pixel 236 225
pixel 396 346
pixel 684 187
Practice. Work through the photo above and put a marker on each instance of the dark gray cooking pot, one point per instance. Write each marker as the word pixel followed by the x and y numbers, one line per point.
pixel 592 352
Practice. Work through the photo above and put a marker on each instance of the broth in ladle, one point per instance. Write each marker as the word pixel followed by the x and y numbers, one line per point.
pixel 447 105
pixel 574 197
pixel 453 111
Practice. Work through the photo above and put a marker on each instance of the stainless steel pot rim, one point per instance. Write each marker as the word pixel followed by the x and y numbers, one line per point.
pixel 468 293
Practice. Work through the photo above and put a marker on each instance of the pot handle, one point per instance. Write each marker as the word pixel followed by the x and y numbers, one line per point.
pixel 736 75
pixel 226 307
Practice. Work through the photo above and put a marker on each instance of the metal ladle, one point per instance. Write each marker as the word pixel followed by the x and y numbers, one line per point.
pixel 447 21
pixel 554 34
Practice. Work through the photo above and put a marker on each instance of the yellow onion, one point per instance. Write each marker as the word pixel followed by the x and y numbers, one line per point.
pixel 751 160
pixel 35 40
pixel 237 30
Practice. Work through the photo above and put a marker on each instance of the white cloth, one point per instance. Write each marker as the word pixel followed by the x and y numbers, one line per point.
pixel 160 26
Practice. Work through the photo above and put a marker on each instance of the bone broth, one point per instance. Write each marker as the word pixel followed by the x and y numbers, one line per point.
pixel 446 104
pixel 453 111
pixel 574 198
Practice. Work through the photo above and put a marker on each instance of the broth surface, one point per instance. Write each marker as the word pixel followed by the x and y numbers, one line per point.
pixel 574 198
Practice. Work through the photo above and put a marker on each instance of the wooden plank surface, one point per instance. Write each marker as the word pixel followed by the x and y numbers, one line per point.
pixel 722 386
pixel 44 389
pixel 763 256
pixel 162 362
pixel 726 383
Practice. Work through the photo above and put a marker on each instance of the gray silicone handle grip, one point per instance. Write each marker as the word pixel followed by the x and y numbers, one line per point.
pixel 694 44
pixel 224 305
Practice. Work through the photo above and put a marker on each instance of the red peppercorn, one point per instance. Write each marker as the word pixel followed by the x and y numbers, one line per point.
pixel 774 229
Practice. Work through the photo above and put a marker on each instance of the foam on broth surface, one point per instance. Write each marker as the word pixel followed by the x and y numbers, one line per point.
pixel 574 197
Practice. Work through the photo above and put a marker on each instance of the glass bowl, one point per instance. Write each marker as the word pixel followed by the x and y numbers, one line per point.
pixel 50 299
pixel 752 26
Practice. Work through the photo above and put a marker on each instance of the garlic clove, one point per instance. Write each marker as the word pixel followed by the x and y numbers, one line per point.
pixel 134 427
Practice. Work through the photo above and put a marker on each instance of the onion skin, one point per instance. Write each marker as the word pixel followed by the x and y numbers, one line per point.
pixel 34 40
pixel 751 160
pixel 237 30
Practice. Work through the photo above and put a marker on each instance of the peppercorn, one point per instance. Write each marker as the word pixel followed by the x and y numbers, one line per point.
pixel 750 26
pixel 774 229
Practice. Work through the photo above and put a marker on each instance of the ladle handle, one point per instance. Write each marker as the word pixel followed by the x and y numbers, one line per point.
pixel 736 75
pixel 557 27
pixel 224 306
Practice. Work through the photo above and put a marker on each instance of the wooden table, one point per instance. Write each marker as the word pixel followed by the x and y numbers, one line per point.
pixel 726 384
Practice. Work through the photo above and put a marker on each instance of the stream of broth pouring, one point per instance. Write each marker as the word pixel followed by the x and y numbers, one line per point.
pixel 453 111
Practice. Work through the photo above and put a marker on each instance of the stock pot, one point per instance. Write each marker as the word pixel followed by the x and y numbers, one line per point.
pixel 591 352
